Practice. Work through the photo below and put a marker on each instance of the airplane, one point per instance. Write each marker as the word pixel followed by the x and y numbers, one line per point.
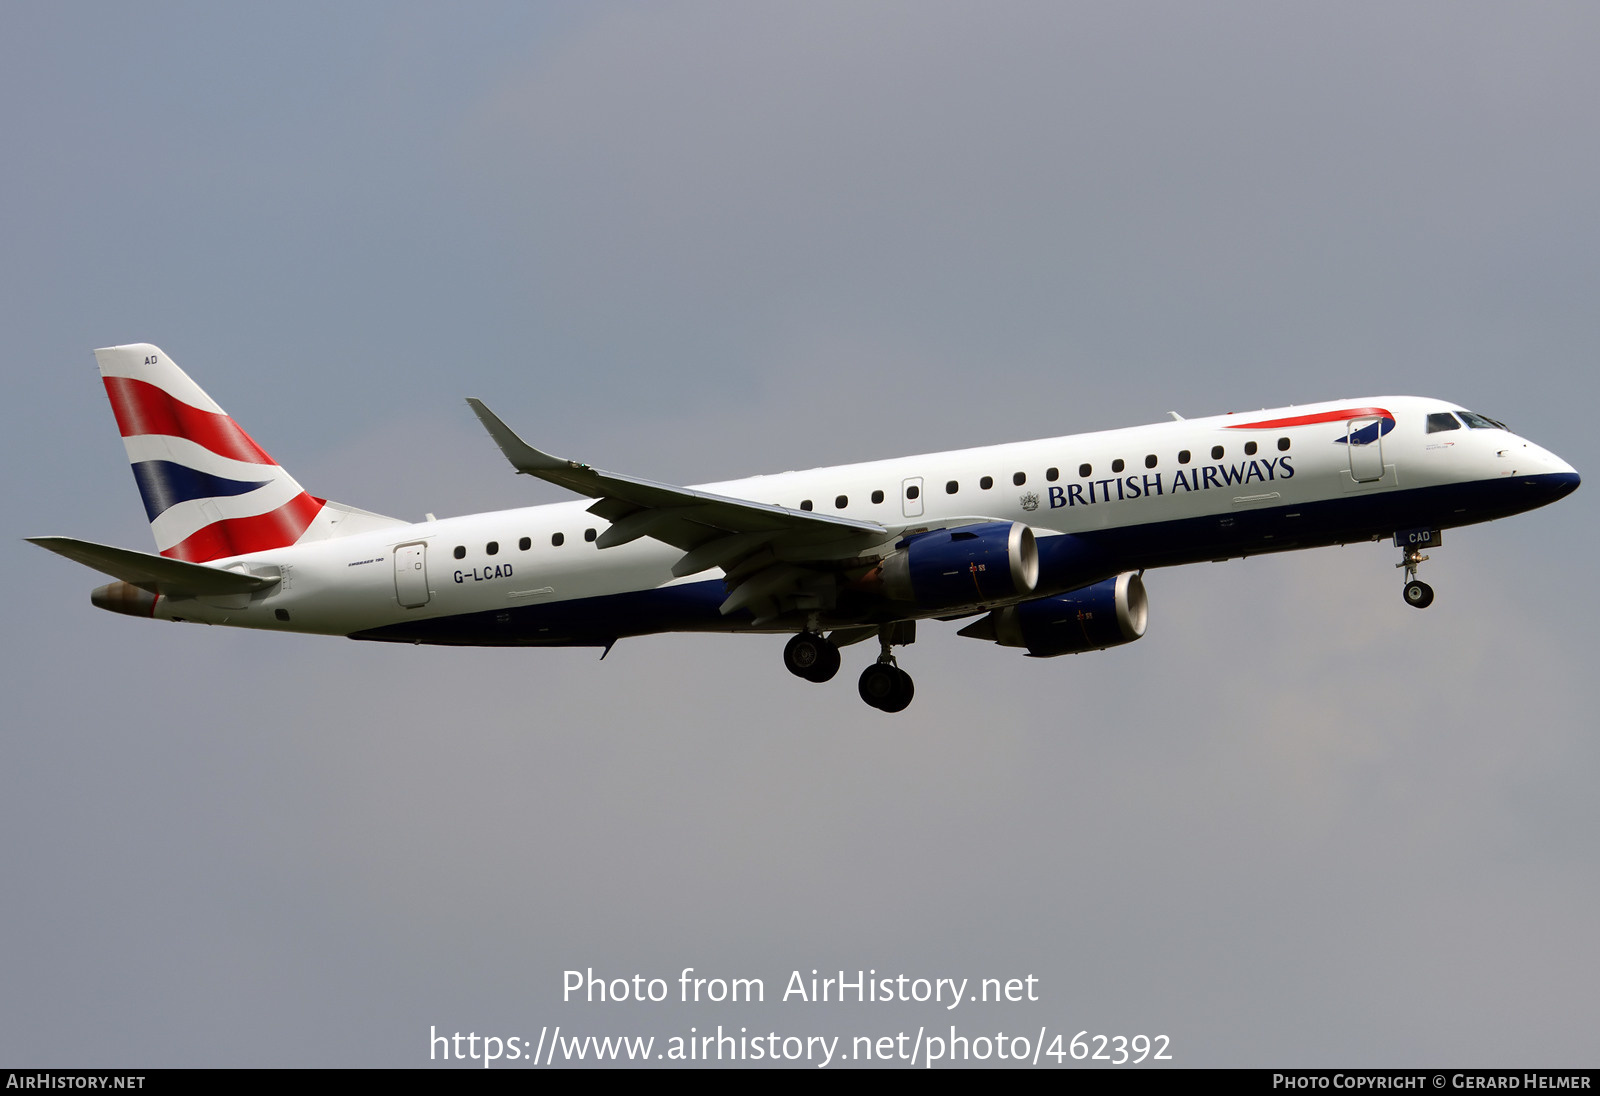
pixel 1037 545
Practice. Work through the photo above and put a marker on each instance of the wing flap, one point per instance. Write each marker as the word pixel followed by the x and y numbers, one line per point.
pixel 718 552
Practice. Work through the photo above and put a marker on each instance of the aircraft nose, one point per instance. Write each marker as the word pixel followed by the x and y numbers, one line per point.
pixel 1567 474
pixel 1561 480
pixel 1545 475
pixel 1536 458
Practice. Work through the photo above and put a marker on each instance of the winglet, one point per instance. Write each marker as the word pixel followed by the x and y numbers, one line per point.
pixel 523 457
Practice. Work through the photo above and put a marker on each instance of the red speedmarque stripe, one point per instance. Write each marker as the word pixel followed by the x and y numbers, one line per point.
pixel 142 408
pixel 1308 420
pixel 235 536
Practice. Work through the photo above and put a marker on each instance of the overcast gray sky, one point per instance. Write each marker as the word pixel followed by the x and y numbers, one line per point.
pixel 1298 823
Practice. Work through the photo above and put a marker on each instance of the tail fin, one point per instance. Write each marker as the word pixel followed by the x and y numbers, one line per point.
pixel 210 491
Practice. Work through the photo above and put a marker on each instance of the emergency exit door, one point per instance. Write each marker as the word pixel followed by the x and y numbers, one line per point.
pixel 911 497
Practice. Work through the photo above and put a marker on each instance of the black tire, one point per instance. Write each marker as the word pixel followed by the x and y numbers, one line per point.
pixel 805 653
pixel 905 689
pixel 879 685
pixel 826 666
pixel 1419 595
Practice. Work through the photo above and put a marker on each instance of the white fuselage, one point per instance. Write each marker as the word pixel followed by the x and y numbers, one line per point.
pixel 1154 494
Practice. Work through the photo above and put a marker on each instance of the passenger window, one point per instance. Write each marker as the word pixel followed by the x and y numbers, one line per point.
pixel 525 543
pixel 877 496
pixel 1216 452
pixel 1020 478
pixel 1249 448
pixel 588 535
pixel 1117 465
pixel 913 491
pixel 1085 470
pixel 1150 461
pixel 986 482
pixel 557 539
pixel 1183 456
pixel 492 548
pixel 1283 445
pixel 1052 474
pixel 461 551
pixel 952 487
pixel 1444 420
pixel 841 502
pixel 805 504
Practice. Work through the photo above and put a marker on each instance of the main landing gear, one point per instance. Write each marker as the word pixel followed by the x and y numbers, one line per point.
pixel 1418 594
pixel 884 685
pixel 812 657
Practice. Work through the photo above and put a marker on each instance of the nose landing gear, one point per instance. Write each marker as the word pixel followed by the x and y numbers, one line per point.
pixel 1418 594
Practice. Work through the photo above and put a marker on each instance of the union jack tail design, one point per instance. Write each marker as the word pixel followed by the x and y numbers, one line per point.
pixel 209 489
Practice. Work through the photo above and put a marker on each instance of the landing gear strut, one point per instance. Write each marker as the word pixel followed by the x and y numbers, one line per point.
pixel 884 685
pixel 1418 594
pixel 810 656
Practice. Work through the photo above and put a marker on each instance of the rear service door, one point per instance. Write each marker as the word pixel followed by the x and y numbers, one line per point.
pixel 411 575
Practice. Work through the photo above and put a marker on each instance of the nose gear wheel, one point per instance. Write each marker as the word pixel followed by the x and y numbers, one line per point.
pixel 1418 594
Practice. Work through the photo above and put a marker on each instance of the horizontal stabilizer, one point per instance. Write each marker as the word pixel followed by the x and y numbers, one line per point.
pixel 157 574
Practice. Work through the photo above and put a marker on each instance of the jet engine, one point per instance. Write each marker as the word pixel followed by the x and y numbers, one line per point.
pixel 1106 614
pixel 963 565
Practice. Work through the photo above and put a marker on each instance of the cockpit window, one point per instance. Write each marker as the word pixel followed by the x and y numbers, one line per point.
pixel 1443 420
pixel 1482 422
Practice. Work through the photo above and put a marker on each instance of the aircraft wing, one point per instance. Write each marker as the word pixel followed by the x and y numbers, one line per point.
pixel 713 530
pixel 157 574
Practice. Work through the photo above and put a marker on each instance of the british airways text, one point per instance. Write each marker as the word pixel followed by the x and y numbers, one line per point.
pixel 1203 478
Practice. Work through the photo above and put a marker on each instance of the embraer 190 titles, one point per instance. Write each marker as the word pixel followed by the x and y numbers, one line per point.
pixel 1039 545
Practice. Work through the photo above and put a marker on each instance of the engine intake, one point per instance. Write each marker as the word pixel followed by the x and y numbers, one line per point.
pixel 964 565
pixel 1107 614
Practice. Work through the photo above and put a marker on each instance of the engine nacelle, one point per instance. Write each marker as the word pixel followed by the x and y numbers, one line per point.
pixel 964 565
pixel 1106 614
